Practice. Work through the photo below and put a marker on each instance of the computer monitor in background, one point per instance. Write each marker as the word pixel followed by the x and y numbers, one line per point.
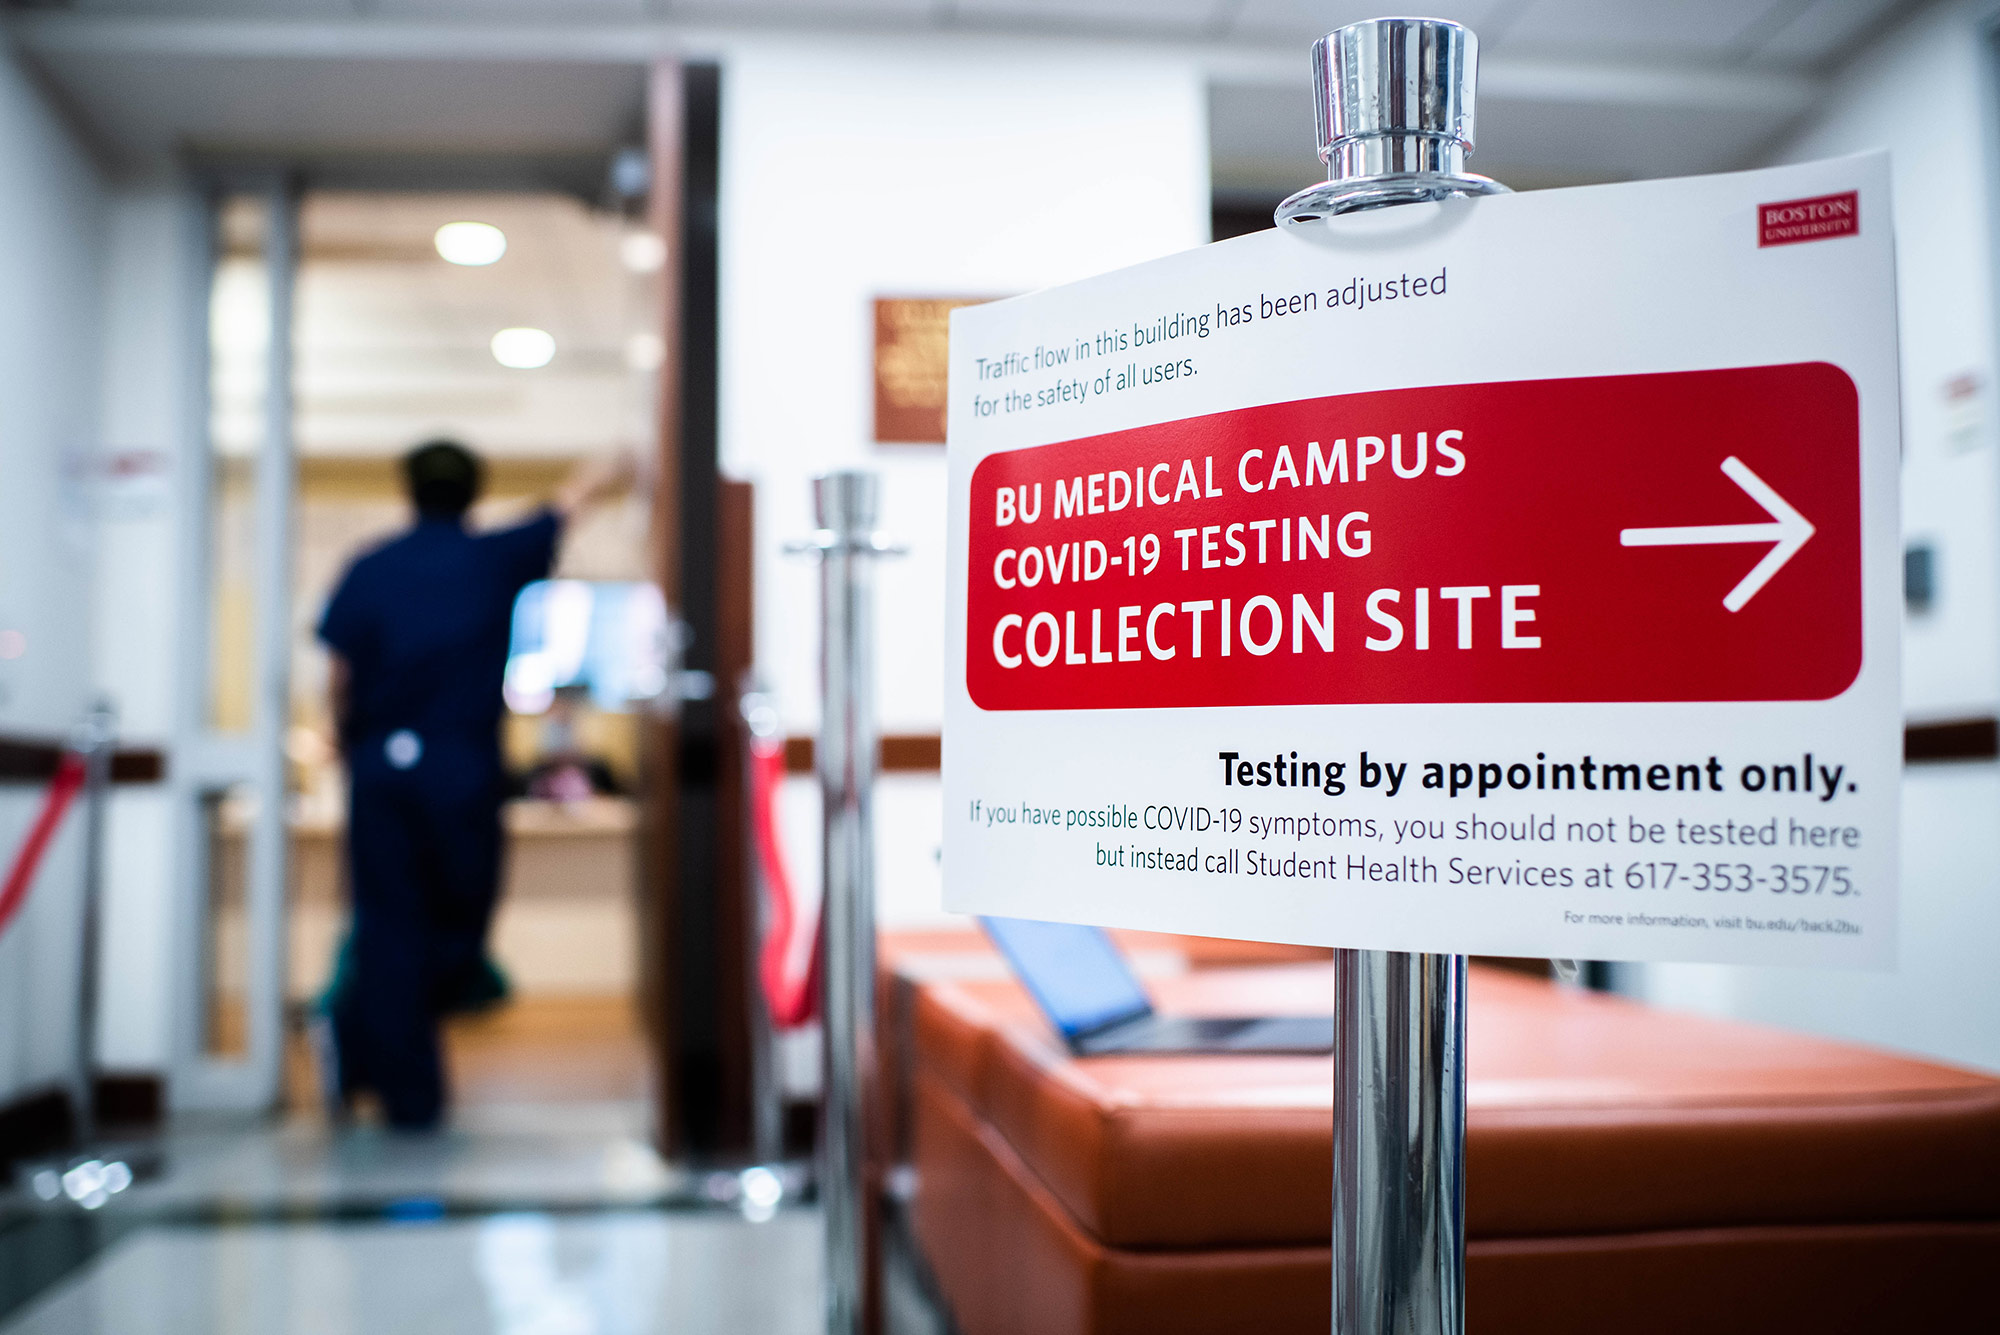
pixel 1076 973
pixel 1080 979
pixel 613 638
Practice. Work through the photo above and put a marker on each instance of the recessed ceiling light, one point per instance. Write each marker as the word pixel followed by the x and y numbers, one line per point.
pixel 470 243
pixel 642 252
pixel 523 349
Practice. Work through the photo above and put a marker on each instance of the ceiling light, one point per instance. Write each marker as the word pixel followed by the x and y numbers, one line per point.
pixel 642 252
pixel 470 243
pixel 523 349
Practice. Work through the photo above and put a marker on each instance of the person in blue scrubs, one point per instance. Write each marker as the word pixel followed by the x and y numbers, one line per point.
pixel 418 631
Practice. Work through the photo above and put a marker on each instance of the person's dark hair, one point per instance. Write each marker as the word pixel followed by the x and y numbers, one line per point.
pixel 444 478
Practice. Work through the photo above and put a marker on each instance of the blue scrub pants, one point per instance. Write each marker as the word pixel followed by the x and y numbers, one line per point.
pixel 423 847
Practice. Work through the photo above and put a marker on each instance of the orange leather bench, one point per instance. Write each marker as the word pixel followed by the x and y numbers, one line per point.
pixel 1627 1170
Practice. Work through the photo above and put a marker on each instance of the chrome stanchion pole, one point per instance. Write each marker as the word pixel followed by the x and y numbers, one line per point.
pixel 94 739
pixel 848 545
pixel 1398 1143
pixel 1393 99
pixel 92 1174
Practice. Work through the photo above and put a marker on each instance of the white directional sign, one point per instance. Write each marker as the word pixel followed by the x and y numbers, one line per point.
pixel 1516 576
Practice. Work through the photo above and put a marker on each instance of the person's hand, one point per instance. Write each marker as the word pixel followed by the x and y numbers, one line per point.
pixel 593 480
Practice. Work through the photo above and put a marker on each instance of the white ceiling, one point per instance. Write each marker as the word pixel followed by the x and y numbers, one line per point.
pixel 143 104
pixel 1790 34
pixel 393 343
pixel 1571 90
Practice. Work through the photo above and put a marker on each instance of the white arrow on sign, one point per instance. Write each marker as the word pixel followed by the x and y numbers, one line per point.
pixel 1787 531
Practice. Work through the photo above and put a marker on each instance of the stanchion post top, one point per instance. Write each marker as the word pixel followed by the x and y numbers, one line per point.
pixel 844 507
pixel 845 501
pixel 1395 77
pixel 1393 104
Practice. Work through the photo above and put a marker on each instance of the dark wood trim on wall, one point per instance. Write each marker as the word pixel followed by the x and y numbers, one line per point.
pixel 138 766
pixel 1955 739
pixel 42 1121
pixel 134 1100
pixel 29 762
pixel 35 1123
pixel 902 753
pixel 34 760
pixel 1923 743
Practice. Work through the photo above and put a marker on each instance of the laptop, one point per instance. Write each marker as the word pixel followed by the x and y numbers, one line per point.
pixel 1080 979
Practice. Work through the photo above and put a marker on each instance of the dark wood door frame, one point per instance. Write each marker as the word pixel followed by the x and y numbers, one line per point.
pixel 693 854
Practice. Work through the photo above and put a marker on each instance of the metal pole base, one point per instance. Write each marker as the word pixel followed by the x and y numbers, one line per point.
pixel 1398 1144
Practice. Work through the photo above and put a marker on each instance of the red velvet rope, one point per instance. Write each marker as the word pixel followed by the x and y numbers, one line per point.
pixel 792 998
pixel 28 859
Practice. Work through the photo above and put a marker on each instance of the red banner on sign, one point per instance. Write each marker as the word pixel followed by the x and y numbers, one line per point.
pixel 1682 536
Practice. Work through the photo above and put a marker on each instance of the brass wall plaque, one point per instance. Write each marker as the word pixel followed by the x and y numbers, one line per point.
pixel 911 334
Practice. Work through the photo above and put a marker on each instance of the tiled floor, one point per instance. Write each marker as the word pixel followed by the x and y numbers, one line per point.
pixel 504 1274
pixel 552 1220
pixel 493 1156
pixel 533 1049
pixel 542 1210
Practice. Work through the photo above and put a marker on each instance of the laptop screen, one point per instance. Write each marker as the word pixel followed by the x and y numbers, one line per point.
pixel 1075 973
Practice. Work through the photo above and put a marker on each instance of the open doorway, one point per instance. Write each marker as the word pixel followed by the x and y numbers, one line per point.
pixel 531 337
pixel 341 333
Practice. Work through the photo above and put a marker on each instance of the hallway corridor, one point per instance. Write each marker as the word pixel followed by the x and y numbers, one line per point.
pixel 541 1210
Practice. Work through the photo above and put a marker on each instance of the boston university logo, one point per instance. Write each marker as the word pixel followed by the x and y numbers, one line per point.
pixel 1817 219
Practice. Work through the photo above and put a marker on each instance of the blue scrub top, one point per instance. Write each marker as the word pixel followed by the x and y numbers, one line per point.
pixel 424 622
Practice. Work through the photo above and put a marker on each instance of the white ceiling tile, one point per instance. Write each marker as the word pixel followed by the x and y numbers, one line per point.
pixel 820 11
pixel 1304 21
pixel 229 9
pixel 1826 30
pixel 141 105
pixel 508 10
pixel 1645 29
pixel 1139 16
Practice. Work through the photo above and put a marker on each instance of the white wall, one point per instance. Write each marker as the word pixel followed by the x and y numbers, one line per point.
pixel 1923 92
pixel 51 208
pixel 852 170
pixel 1944 1000
pixel 137 626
